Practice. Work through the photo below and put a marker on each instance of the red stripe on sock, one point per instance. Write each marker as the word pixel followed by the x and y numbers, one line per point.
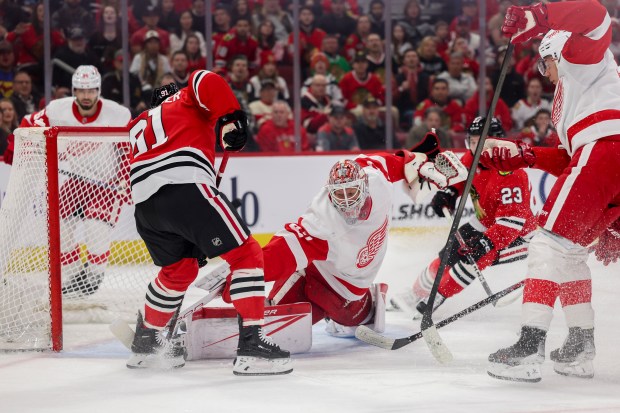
pixel 540 291
pixel 576 292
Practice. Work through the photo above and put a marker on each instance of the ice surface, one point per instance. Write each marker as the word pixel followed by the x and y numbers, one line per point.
pixel 337 375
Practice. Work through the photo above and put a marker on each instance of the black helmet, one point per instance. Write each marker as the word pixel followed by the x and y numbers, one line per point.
pixel 495 129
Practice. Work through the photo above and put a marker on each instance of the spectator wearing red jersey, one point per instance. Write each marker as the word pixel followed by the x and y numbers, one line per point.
pixel 452 112
pixel 502 112
pixel 310 36
pixel 442 37
pixel 27 38
pixel 150 19
pixel 191 47
pixel 356 41
pixel 237 42
pixel 267 42
pixel 358 84
pixel 470 11
pixel 278 133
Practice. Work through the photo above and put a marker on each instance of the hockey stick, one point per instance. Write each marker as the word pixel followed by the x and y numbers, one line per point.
pixel 470 259
pixel 429 331
pixel 372 337
pixel 124 333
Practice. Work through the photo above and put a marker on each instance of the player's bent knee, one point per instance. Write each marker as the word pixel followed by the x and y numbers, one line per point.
pixel 247 255
pixel 552 256
pixel 180 275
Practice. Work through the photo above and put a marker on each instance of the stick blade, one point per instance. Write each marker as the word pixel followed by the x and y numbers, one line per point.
pixel 369 336
pixel 123 332
pixel 436 345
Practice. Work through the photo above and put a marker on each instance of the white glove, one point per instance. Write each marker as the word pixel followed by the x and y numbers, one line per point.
pixel 445 171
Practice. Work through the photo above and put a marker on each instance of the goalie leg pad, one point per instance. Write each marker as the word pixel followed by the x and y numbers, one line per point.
pixel 213 332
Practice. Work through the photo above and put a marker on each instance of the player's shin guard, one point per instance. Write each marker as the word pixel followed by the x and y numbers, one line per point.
pixel 165 293
pixel 422 286
pixel 246 286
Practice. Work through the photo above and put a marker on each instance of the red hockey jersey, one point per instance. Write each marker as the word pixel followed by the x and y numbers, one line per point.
pixel 502 203
pixel 174 143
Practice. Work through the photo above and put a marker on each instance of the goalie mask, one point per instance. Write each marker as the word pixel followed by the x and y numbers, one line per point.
pixel 348 189
pixel 475 130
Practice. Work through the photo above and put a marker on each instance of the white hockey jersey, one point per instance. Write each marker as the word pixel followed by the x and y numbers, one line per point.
pixel 103 162
pixel 64 112
pixel 347 256
pixel 586 103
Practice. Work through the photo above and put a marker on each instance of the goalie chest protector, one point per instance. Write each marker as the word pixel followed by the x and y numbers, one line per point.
pixel 213 332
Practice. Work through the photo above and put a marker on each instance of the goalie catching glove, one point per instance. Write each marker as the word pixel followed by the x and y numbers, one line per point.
pixel 232 131
pixel 507 156
pixel 445 171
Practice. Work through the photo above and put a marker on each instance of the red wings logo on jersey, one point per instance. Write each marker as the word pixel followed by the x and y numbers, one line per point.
pixel 373 245
pixel 558 100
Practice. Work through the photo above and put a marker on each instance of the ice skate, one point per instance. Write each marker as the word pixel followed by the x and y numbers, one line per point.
pixel 151 349
pixel 521 361
pixel 575 356
pixel 406 302
pixel 258 355
pixel 421 306
pixel 84 283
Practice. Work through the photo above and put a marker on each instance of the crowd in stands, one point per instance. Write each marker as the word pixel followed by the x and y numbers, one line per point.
pixel 435 49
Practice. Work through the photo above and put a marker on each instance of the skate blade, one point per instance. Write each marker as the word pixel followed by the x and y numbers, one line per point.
pixel 528 373
pixel 256 366
pixel 581 369
pixel 154 361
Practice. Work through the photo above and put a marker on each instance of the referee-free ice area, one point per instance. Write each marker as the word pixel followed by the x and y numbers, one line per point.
pixel 337 375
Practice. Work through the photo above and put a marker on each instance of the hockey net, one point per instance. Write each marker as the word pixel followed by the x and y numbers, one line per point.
pixel 69 250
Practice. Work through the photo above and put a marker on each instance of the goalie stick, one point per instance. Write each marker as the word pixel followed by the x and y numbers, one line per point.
pixel 369 336
pixel 429 331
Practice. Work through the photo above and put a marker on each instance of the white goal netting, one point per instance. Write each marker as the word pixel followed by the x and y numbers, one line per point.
pixel 105 266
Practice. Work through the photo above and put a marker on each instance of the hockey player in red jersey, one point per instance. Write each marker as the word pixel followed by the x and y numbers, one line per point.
pixel 498 234
pixel 182 216
pixel 332 254
pixel 90 197
pixel 584 203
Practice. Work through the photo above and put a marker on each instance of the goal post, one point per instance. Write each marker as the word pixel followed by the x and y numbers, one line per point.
pixel 69 249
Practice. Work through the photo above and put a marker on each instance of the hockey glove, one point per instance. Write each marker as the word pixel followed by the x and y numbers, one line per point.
pixel 446 170
pixel 608 248
pixel 444 199
pixel 232 131
pixel 476 247
pixel 506 155
pixel 162 93
pixel 525 22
